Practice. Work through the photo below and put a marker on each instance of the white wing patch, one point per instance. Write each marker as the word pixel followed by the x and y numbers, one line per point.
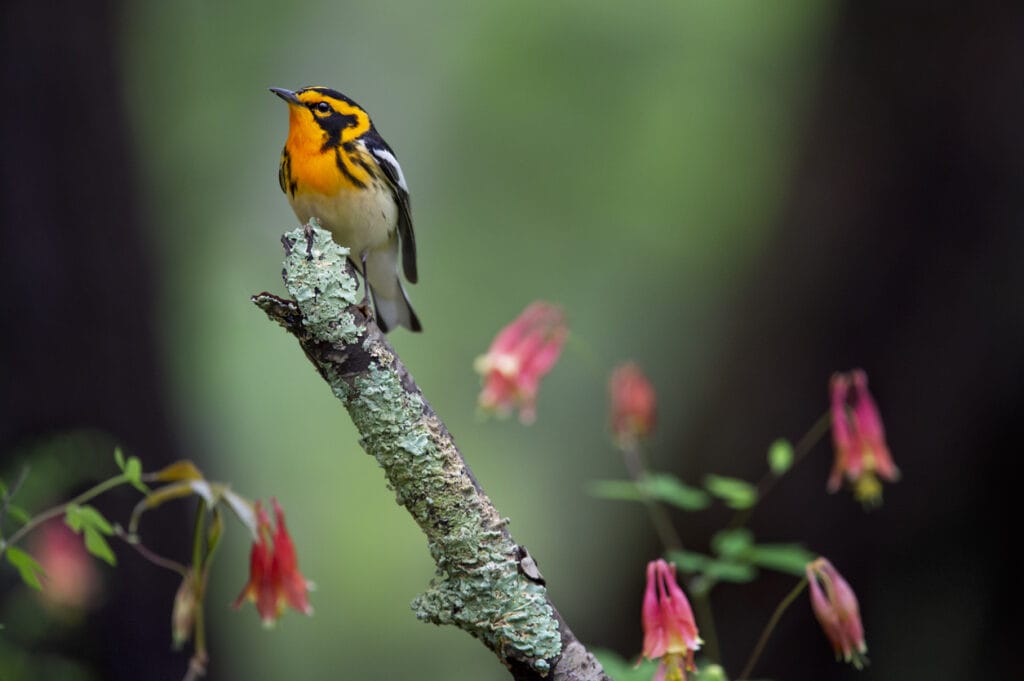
pixel 385 156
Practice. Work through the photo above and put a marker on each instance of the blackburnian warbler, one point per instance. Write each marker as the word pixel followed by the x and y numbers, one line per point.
pixel 336 167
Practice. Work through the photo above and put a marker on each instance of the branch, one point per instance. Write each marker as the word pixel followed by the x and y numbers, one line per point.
pixel 485 583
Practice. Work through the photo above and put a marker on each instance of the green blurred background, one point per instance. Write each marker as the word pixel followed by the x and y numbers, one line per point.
pixel 742 197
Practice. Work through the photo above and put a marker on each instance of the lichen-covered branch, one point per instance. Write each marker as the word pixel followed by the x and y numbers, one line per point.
pixel 486 583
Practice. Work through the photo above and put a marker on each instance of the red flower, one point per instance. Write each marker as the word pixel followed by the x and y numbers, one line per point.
pixel 521 354
pixel 632 404
pixel 274 577
pixel 670 632
pixel 861 452
pixel 835 606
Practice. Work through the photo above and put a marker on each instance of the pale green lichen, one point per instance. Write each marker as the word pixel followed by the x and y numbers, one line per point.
pixel 314 270
pixel 478 585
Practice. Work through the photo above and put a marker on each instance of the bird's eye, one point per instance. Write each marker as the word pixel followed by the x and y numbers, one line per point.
pixel 323 107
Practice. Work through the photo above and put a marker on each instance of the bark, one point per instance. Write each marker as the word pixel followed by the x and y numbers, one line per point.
pixel 485 583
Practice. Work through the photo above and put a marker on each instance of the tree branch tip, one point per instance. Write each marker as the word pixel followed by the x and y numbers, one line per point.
pixel 281 310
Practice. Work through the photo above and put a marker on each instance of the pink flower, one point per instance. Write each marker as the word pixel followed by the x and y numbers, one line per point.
pixel 632 404
pixel 835 606
pixel 670 632
pixel 521 354
pixel 861 452
pixel 71 580
pixel 274 577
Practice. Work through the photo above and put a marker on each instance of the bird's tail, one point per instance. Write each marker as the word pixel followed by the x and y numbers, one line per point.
pixel 390 301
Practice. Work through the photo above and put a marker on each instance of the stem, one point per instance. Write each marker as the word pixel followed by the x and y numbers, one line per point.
pixel 772 622
pixel 37 520
pixel 200 655
pixel 800 451
pixel 154 558
pixel 802 448
pixel 637 469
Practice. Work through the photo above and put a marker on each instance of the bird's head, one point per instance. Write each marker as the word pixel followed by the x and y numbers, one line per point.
pixel 324 117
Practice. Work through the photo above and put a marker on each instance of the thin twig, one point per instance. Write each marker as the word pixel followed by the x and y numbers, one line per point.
pixel 770 627
pixel 637 469
pixel 148 554
pixel 37 520
pixel 769 479
pixel 199 629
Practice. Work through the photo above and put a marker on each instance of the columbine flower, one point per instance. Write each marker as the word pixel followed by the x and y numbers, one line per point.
pixel 292 587
pixel 71 580
pixel 862 454
pixel 835 606
pixel 521 354
pixel 669 630
pixel 632 404
pixel 274 577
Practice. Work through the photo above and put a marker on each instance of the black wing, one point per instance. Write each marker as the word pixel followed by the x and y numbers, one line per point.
pixel 393 172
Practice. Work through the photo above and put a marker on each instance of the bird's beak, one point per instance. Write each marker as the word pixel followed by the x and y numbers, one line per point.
pixel 287 95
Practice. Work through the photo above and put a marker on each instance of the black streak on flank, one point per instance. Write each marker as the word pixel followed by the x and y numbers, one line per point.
pixel 284 175
pixel 344 169
pixel 363 164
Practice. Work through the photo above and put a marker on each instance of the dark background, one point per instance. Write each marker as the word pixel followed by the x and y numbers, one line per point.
pixel 891 243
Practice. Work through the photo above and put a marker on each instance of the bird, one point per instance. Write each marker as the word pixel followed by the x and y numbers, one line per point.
pixel 337 168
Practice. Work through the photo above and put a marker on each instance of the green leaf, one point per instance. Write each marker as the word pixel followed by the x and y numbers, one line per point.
pixel 710 672
pixel 715 569
pixel 18 513
pixel 737 494
pixel 730 571
pixel 80 518
pixel 620 669
pixel 780 456
pixel 119 458
pixel 689 561
pixel 657 487
pixel 91 524
pixel 133 473
pixel 788 558
pixel 675 492
pixel 73 518
pixel 98 546
pixel 27 566
pixel 732 543
pixel 616 490
pixel 95 520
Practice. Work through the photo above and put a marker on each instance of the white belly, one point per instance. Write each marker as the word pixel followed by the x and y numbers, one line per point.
pixel 363 220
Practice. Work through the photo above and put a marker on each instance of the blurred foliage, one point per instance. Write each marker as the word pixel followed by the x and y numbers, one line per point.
pixel 41 473
pixel 622 160
pixel 663 487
